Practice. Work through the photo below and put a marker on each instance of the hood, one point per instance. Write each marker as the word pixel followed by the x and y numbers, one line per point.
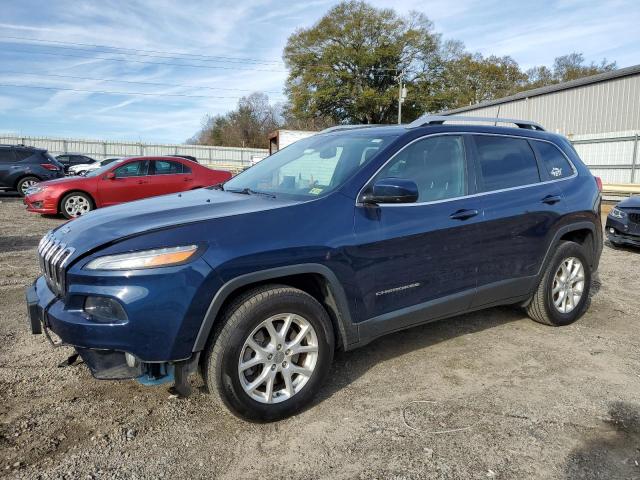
pixel 631 202
pixel 64 180
pixel 108 224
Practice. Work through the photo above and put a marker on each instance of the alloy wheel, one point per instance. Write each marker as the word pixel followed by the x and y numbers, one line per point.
pixel 25 186
pixel 568 285
pixel 77 205
pixel 278 358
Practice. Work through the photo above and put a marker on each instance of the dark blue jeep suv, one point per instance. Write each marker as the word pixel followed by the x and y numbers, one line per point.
pixel 328 244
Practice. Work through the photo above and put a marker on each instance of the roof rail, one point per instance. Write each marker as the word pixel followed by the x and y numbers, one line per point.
pixel 440 119
pixel 349 127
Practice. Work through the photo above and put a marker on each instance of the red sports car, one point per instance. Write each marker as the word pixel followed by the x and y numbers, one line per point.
pixel 121 181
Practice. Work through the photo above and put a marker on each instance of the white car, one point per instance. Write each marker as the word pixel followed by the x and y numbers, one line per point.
pixel 87 167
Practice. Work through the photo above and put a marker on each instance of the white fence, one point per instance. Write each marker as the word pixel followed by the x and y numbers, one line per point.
pixel 229 157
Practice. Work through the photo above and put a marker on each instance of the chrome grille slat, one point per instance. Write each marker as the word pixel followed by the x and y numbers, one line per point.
pixel 53 257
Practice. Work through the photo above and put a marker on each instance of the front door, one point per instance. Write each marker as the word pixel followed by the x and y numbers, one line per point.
pixel 131 182
pixel 418 261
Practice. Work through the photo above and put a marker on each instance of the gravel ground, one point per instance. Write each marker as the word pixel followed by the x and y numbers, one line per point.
pixel 486 395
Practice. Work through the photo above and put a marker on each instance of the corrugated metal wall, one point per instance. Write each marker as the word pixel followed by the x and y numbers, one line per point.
pixel 601 119
pixel 230 157
pixel 609 106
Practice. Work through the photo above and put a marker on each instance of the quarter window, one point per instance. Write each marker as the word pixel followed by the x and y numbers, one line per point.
pixel 435 164
pixel 553 161
pixel 505 162
pixel 132 169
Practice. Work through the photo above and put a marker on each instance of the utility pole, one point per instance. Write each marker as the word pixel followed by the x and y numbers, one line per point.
pixel 402 94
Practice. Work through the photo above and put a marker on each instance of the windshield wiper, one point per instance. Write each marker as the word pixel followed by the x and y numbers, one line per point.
pixel 248 191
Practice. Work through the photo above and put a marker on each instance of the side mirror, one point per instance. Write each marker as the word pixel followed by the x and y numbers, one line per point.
pixel 110 176
pixel 391 190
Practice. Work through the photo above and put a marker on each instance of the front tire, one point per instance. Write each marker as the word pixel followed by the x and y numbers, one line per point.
pixel 271 354
pixel 562 296
pixel 76 204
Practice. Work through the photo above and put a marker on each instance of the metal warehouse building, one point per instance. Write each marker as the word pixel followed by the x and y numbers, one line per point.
pixel 599 114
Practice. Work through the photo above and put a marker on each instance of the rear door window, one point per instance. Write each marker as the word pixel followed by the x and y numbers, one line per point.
pixel 505 162
pixel 553 161
pixel 166 167
pixel 7 155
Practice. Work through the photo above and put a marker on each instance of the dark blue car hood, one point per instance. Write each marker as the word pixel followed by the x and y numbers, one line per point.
pixel 125 220
pixel 631 202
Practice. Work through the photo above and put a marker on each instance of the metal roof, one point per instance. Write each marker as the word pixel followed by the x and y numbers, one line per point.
pixel 580 82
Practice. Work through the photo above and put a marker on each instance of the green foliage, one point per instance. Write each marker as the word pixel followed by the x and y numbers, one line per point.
pixel 345 68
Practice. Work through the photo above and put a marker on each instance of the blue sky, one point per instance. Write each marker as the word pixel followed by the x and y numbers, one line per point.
pixel 256 31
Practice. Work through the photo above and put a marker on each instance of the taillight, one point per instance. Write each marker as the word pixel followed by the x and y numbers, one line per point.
pixel 50 166
pixel 599 183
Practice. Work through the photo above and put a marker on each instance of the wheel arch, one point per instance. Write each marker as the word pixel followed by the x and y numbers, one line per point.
pixel 24 175
pixel 315 279
pixel 84 192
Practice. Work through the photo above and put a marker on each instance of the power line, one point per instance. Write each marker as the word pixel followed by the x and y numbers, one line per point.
pixel 156 84
pixel 239 60
pixel 216 67
pixel 110 92
pixel 175 54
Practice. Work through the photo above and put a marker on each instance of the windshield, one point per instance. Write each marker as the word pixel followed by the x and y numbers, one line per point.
pixel 102 169
pixel 313 166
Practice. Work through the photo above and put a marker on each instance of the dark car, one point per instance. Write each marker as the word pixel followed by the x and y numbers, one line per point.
pixel 623 223
pixel 22 167
pixel 334 241
pixel 72 159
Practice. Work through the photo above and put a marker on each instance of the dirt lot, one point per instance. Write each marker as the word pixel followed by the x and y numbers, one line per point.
pixel 486 395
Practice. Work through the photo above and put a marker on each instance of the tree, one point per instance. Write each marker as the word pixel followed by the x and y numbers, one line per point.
pixel 345 67
pixel 566 68
pixel 247 126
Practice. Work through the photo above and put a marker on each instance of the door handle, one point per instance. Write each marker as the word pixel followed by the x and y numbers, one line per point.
pixel 140 182
pixel 188 179
pixel 463 214
pixel 551 199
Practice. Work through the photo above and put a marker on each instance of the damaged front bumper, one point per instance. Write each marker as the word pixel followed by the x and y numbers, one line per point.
pixel 104 363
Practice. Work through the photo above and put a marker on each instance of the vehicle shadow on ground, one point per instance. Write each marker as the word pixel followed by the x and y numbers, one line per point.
pixel 613 452
pixel 349 366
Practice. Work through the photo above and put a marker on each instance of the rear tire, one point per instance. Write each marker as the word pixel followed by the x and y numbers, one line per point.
pixel 562 296
pixel 260 329
pixel 25 183
pixel 75 204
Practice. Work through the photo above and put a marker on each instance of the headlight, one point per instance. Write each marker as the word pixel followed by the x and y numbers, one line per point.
pixel 617 213
pixel 160 257
pixel 35 189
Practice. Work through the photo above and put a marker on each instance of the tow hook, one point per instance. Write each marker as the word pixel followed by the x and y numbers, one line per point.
pixel 72 361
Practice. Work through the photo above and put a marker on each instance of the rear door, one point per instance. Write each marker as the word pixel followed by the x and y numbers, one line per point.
pixel 169 176
pixel 520 210
pixel 7 167
pixel 131 182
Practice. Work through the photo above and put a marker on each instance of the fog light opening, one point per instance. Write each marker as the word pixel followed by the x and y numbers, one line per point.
pixel 612 230
pixel 104 310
